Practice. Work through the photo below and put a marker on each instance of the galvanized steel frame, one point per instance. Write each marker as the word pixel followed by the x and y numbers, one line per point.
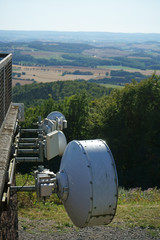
pixel 5 85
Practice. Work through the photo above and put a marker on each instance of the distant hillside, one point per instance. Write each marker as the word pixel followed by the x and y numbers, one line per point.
pixel 8 36
pixel 137 55
pixel 34 93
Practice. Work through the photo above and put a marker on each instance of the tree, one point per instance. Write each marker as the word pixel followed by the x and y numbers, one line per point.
pixel 76 113
pixel 131 127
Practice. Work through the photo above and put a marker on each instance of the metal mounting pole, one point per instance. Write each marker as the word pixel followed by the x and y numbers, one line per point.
pixel 28 140
pixel 28 159
pixel 28 151
pixel 31 188
pixel 28 144
pixel 30 130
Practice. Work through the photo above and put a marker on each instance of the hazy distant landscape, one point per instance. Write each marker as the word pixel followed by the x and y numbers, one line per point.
pixel 110 58
pixel 20 36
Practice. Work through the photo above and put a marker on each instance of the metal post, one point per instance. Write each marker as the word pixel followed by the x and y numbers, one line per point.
pixel 4 107
pixel 28 159
pixel 28 145
pixel 23 188
pixel 11 171
pixel 28 151
pixel 28 140
pixel 41 151
pixel 30 130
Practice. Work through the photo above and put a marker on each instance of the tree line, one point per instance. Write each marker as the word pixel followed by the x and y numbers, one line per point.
pixel 119 77
pixel 34 94
pixel 77 72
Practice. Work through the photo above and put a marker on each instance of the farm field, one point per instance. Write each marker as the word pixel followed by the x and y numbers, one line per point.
pixel 52 74
pixel 49 61
pixel 38 61
pixel 30 74
pixel 129 69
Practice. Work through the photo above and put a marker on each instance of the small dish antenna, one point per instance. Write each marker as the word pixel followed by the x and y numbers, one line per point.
pixel 54 115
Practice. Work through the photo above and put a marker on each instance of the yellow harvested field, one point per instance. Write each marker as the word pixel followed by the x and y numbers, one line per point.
pixel 52 74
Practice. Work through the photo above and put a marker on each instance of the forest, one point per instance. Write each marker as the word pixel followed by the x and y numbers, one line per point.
pixel 127 119
pixel 34 94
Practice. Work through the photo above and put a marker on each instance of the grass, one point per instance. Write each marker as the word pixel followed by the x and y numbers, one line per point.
pixel 111 86
pixel 136 208
pixel 118 68
pixel 46 55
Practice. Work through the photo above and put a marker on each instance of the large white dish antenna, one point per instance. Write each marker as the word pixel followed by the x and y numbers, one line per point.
pixel 88 178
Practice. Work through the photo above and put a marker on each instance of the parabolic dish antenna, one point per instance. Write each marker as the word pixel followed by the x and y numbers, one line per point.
pixel 54 115
pixel 88 183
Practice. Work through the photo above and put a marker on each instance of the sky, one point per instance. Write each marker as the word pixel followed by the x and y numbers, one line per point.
pixel 127 16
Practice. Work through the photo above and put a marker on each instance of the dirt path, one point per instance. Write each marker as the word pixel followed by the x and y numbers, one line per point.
pixel 43 231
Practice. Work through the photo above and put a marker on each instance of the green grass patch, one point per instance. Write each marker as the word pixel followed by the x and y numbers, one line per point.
pixel 25 63
pixel 111 86
pixel 136 195
pixel 137 215
pixel 46 55
pixel 118 68
pixel 136 208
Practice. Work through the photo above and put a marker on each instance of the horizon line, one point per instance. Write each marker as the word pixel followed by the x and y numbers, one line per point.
pixel 72 31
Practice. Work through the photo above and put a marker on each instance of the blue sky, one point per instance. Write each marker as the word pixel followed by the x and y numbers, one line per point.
pixel 129 16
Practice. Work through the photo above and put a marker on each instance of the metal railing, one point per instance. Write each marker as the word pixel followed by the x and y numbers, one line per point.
pixel 5 85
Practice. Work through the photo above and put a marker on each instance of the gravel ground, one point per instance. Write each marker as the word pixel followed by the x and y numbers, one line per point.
pixel 100 233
